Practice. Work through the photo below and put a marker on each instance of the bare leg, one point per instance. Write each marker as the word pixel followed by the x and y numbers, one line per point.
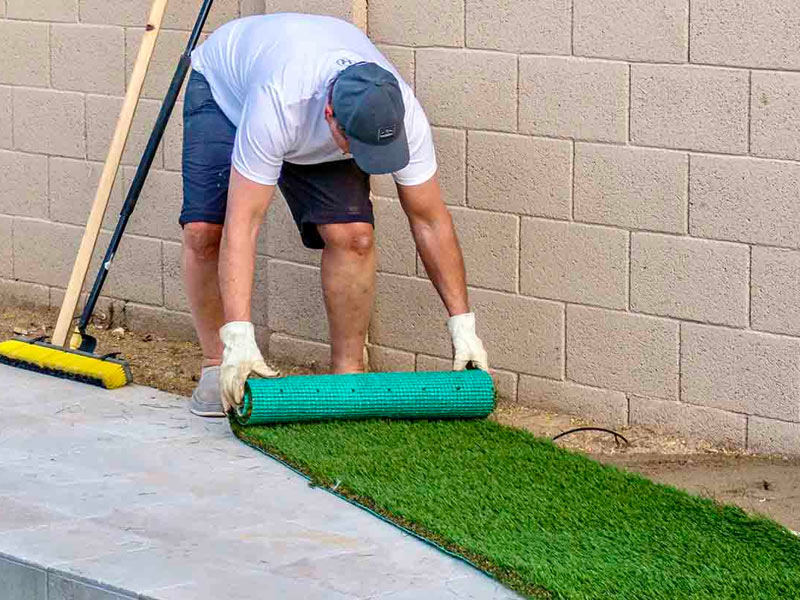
pixel 348 283
pixel 200 260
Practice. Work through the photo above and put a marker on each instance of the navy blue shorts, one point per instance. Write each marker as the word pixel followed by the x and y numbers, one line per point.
pixel 333 192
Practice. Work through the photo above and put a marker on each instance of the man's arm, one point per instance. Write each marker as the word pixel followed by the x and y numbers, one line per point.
pixel 435 237
pixel 247 204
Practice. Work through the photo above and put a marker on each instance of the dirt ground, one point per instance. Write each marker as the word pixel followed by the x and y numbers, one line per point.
pixel 766 485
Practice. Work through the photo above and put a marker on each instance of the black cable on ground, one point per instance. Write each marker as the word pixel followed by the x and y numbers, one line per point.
pixel 617 436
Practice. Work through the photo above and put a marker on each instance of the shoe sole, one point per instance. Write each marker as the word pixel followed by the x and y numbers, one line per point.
pixel 207 413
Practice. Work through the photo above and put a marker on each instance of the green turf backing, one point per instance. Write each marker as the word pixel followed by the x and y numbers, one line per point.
pixel 544 521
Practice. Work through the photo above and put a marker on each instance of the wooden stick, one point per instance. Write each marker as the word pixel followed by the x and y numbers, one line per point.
pixel 95 220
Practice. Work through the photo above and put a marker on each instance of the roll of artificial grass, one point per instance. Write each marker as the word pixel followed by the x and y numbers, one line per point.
pixel 422 395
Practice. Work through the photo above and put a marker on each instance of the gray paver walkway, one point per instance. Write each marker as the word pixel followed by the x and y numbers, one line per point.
pixel 109 495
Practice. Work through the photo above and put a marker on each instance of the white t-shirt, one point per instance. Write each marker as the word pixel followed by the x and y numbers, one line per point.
pixel 271 75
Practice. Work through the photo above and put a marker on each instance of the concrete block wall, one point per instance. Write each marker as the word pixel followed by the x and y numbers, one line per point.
pixel 623 174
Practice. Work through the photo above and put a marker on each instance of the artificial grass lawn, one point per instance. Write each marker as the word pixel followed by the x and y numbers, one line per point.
pixel 545 522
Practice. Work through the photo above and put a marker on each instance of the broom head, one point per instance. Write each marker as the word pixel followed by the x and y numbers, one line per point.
pixel 41 357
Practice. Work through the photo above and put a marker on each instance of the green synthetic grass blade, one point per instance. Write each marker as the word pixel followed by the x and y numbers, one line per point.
pixel 544 521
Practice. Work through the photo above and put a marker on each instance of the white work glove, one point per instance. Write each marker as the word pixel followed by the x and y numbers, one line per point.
pixel 241 358
pixel 467 346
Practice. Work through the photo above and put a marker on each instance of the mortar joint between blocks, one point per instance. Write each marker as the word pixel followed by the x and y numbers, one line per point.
pixel 749 112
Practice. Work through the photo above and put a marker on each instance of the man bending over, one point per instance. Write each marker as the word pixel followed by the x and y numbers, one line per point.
pixel 309 104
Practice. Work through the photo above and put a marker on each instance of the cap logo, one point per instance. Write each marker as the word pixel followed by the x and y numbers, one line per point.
pixel 386 132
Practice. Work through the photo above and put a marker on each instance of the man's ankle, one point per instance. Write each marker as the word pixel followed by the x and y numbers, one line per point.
pixel 347 369
pixel 211 362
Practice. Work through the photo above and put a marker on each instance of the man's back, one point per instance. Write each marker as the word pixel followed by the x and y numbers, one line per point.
pixel 297 54
pixel 271 74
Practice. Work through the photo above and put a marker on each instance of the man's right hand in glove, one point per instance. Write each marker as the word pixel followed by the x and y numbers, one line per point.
pixel 241 358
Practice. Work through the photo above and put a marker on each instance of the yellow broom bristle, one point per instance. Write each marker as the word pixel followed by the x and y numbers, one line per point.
pixel 60 362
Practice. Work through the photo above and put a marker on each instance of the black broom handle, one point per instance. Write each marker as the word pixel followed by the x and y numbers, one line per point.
pixel 145 163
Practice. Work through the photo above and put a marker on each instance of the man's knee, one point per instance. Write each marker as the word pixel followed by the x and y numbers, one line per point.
pixel 202 239
pixel 350 237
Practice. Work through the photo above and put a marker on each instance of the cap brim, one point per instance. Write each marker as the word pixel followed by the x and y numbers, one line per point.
pixel 376 160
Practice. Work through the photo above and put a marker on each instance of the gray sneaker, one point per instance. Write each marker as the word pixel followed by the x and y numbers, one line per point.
pixel 206 399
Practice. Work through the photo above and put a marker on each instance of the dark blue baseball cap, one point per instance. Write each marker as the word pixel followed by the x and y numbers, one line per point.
pixel 368 103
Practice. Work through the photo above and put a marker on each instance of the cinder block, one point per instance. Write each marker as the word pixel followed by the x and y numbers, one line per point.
pixel 636 188
pixel 773 437
pixel 6 247
pixel 18 293
pixel 133 12
pixel 44 252
pixel 383 186
pixel 342 9
pixel 5 117
pixel 574 262
pixel 520 334
pixel 25 49
pixel 395 244
pixel 542 27
pixel 159 204
pixel 43 10
pixel 73 185
pixel 260 296
pixel 102 113
pixel 775 116
pixel 169 47
pixel 746 34
pixel 432 23
pixel 639 30
pixel 169 324
pixel 698 108
pixel 505 383
pixel 744 200
pixel 172 142
pixel 88 58
pixel 23 184
pixel 49 122
pixel 181 14
pixel 578 98
pixel 282 237
pixel 622 351
pixel 252 7
pixel 468 88
pixel 490 245
pixel 709 424
pixel 741 371
pixel 519 174
pixel 174 292
pixel 451 151
pixel 296 305
pixel 690 279
pixel 409 316
pixel 294 351
pixel 389 359
pixel 775 290
pixel 604 407
pixel 108 307
pixel 136 272
pixel 403 60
